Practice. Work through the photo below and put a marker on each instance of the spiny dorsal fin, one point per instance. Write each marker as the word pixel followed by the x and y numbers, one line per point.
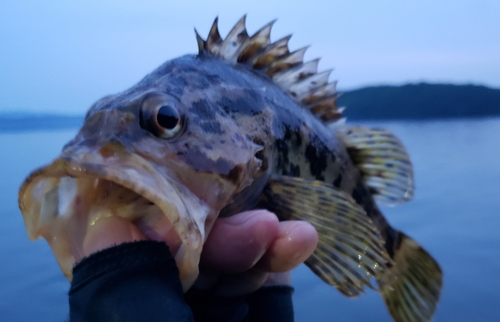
pixel 287 69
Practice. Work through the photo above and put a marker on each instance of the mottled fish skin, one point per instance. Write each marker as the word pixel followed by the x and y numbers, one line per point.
pixel 214 131
pixel 227 106
pixel 294 142
pixel 325 158
pixel 241 128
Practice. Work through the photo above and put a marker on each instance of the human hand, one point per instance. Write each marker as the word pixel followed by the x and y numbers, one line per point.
pixel 251 249
pixel 242 252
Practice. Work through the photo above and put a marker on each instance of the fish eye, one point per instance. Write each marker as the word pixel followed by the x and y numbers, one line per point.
pixel 169 120
pixel 160 115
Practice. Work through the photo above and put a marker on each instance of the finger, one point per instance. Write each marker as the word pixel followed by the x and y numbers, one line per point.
pixel 296 242
pixel 282 278
pixel 108 232
pixel 236 243
pixel 160 229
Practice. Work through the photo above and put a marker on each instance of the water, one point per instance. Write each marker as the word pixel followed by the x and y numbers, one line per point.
pixel 455 216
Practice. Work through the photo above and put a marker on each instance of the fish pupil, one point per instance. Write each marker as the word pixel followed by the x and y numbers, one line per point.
pixel 167 117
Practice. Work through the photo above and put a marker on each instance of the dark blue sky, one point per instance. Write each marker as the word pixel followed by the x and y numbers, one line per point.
pixel 61 56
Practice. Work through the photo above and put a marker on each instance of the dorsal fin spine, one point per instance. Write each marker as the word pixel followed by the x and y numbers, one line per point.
pixel 290 76
pixel 286 62
pixel 304 90
pixel 287 69
pixel 259 40
pixel 200 42
pixel 214 39
pixel 268 54
pixel 234 40
pixel 307 93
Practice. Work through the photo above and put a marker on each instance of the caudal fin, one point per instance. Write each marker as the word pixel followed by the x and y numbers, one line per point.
pixel 411 287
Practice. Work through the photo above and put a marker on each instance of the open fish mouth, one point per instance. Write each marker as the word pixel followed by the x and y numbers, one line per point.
pixel 60 201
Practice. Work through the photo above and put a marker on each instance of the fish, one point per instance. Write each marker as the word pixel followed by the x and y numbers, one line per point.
pixel 243 124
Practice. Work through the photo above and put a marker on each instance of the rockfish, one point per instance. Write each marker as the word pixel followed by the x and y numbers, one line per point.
pixel 243 124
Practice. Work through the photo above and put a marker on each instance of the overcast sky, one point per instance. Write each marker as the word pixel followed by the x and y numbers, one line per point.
pixel 61 56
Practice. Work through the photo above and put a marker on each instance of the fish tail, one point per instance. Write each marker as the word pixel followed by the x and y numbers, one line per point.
pixel 411 286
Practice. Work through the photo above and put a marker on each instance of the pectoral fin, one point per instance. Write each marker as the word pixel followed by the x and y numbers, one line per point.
pixel 350 249
pixel 384 162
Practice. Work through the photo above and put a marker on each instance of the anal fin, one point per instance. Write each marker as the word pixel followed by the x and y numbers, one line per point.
pixel 411 288
pixel 350 250
pixel 383 161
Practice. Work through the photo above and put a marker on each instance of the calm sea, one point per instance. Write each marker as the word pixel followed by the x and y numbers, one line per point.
pixel 455 215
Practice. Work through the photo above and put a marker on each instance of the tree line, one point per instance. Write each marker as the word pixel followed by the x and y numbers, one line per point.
pixel 421 101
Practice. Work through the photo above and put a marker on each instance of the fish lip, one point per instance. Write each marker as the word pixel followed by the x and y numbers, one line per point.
pixel 68 167
pixel 128 170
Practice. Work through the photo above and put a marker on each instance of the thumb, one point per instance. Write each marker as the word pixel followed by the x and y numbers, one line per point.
pixel 108 232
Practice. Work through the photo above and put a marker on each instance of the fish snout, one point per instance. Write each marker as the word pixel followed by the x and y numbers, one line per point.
pixel 62 200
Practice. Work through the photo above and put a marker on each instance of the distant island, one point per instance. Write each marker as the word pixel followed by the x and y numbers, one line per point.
pixel 407 102
pixel 23 122
pixel 420 101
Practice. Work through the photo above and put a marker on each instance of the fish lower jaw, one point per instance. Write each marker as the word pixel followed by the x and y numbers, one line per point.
pixel 63 209
pixel 114 200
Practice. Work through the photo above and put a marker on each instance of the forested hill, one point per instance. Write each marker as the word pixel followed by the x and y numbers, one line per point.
pixel 420 101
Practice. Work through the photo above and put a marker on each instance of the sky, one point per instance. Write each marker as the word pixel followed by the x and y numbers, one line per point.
pixel 61 56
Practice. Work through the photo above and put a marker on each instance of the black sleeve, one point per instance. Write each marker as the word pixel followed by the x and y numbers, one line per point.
pixel 271 303
pixel 139 282
pixel 268 304
pixel 208 307
pixel 129 282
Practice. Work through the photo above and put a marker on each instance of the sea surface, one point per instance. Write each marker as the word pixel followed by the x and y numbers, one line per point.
pixel 455 215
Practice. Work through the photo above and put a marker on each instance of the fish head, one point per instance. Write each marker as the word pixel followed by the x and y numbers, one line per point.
pixel 165 158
